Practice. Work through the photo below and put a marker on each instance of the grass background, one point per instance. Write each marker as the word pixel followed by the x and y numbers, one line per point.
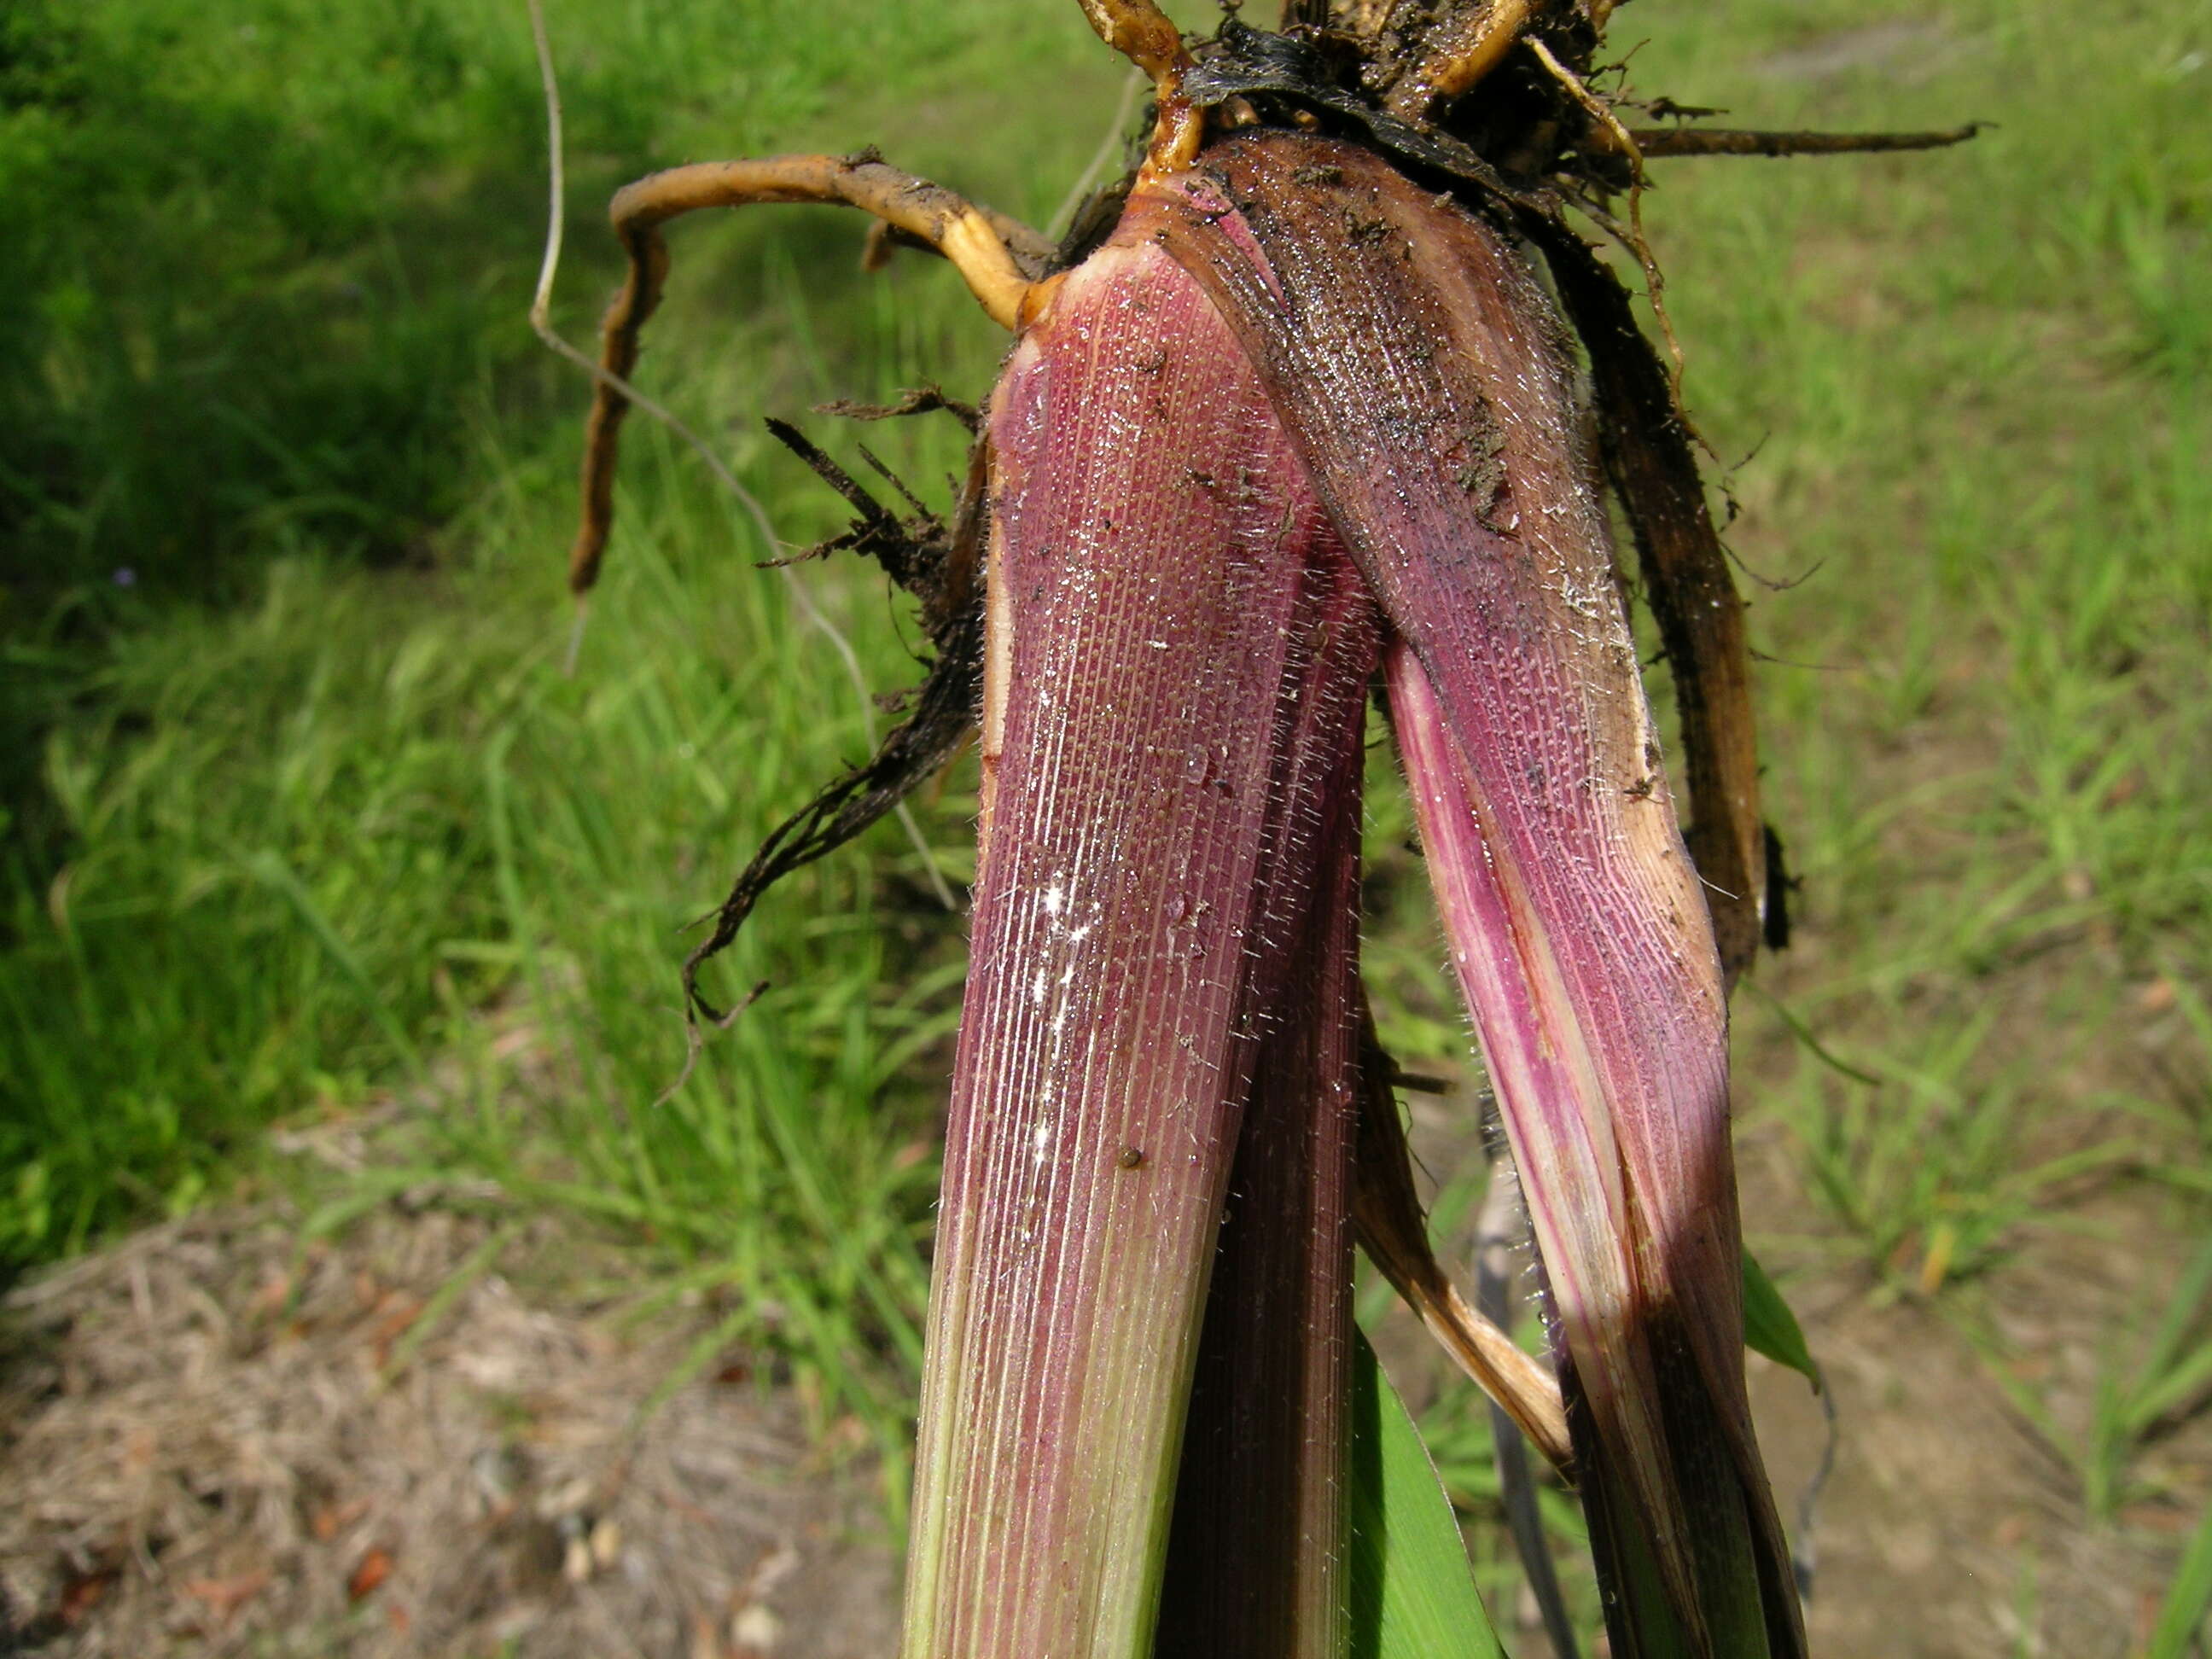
pixel 303 823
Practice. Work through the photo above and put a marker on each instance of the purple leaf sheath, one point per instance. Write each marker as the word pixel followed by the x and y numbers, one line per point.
pixel 1178 657
pixel 1425 380
pixel 1296 415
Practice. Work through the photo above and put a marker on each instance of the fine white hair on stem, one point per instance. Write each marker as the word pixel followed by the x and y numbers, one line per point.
pixel 541 304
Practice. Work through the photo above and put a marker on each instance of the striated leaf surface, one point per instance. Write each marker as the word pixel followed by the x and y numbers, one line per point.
pixel 1256 1562
pixel 1420 369
pixel 1176 661
pixel 1691 591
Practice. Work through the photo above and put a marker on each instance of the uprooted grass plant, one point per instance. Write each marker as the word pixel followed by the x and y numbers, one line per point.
pixel 1976 394
pixel 1290 417
pixel 1277 288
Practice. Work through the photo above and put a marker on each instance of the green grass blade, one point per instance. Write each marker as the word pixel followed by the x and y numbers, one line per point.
pixel 2181 1620
pixel 1769 1327
pixel 425 1323
pixel 2171 1372
pixel 270 867
pixel 1413 1592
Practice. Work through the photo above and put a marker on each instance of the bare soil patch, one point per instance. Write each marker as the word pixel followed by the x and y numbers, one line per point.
pixel 1953 1525
pixel 215 1441
pixel 427 1437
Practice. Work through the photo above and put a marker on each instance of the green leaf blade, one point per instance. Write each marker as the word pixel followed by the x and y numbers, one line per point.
pixel 1412 1591
pixel 1769 1327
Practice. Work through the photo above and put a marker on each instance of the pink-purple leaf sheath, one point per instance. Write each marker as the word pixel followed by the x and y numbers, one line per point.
pixel 1177 662
pixel 1424 376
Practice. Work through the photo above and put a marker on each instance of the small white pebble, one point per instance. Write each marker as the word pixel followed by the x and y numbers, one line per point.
pixel 755 1626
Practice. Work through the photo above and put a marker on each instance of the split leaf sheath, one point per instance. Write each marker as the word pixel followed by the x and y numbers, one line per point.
pixel 1424 377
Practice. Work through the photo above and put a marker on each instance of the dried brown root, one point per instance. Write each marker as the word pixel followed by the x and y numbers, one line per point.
pixel 937 565
pixel 990 250
pixel 918 400
pixel 1386 1213
pixel 1654 141
pixel 1148 38
pixel 1472 46
pixel 943 714
pixel 942 567
pixel 1629 236
pixel 1595 107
